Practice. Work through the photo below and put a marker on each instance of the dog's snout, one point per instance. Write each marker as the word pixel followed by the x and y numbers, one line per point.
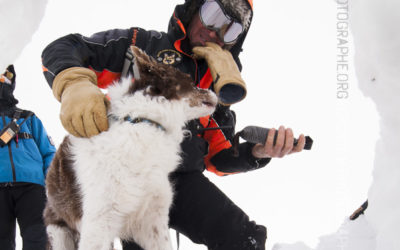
pixel 205 97
pixel 210 99
pixel 201 102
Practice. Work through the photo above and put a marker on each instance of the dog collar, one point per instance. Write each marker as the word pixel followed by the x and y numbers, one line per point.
pixel 138 120
pixel 145 120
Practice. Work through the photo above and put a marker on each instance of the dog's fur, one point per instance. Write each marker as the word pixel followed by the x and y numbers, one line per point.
pixel 116 184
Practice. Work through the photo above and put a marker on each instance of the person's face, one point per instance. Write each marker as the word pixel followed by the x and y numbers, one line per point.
pixel 198 34
pixel 6 90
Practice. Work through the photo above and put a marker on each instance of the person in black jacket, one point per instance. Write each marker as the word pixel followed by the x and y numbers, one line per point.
pixel 76 67
pixel 25 155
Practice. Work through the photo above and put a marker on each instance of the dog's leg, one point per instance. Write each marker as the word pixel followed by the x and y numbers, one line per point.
pixel 98 230
pixel 59 235
pixel 95 237
pixel 152 227
pixel 153 233
pixel 60 238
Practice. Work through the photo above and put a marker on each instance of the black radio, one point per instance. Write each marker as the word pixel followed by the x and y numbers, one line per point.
pixel 8 133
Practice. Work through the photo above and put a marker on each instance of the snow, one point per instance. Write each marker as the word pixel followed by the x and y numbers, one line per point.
pixel 290 61
pixel 352 235
pixel 377 64
pixel 26 16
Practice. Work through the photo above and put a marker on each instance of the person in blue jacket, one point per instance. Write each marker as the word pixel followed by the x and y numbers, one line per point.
pixel 25 157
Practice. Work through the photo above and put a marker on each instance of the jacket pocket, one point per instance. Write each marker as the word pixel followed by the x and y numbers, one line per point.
pixel 29 147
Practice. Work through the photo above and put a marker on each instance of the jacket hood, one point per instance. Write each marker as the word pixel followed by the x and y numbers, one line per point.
pixel 239 9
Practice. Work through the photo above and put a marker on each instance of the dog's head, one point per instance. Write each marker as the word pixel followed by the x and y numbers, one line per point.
pixel 160 92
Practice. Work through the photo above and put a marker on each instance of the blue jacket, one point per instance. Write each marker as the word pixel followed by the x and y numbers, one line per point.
pixel 31 158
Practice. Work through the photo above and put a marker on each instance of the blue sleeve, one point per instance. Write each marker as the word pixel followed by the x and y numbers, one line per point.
pixel 43 141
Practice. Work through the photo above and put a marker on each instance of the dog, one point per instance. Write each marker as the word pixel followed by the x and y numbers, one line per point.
pixel 115 184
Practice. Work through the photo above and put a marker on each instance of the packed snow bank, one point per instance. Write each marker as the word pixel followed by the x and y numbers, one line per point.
pixel 295 246
pixel 377 62
pixel 352 235
pixel 19 21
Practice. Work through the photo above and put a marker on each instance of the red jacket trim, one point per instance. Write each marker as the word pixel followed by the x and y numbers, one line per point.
pixel 105 77
pixel 216 141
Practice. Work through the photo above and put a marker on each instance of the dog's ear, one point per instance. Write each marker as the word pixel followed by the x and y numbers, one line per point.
pixel 157 79
pixel 146 73
pixel 143 64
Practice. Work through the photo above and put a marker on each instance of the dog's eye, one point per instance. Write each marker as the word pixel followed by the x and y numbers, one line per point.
pixel 155 91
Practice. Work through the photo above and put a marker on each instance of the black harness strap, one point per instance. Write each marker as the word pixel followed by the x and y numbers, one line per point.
pixel 17 114
pixel 10 153
pixel 30 113
pixel 130 63
pixel 22 135
pixel 11 130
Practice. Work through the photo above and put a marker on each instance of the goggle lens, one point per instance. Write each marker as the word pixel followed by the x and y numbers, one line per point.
pixel 233 32
pixel 213 17
pixel 4 79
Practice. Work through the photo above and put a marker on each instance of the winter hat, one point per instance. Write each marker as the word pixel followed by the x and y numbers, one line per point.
pixel 239 9
pixel 7 86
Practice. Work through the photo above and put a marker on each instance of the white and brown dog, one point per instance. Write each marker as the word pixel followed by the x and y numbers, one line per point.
pixel 116 184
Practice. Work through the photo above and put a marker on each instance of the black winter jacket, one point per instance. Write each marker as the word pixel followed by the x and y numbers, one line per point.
pixel 104 53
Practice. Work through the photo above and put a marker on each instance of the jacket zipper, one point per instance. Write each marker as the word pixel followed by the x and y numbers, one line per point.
pixel 10 153
pixel 12 163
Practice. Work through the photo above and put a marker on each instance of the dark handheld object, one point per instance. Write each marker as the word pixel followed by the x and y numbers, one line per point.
pixel 359 211
pixel 256 134
pixel 8 133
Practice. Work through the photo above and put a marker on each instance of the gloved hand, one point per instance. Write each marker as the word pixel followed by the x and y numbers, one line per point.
pixel 83 106
pixel 228 83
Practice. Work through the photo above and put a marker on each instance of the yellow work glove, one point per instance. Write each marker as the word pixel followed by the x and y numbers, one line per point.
pixel 228 83
pixel 83 106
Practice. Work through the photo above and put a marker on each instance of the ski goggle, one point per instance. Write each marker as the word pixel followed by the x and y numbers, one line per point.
pixel 213 17
pixel 5 79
